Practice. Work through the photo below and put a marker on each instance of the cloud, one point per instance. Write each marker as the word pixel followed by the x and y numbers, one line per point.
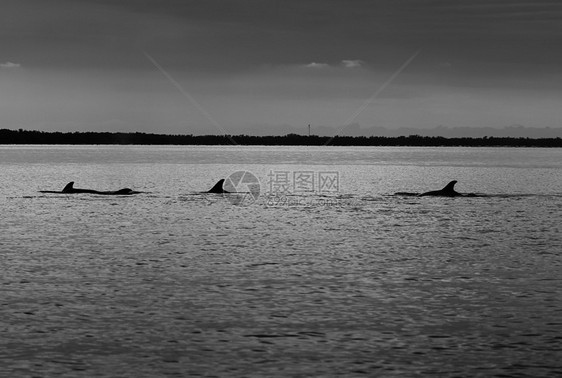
pixel 317 65
pixel 352 63
pixel 346 63
pixel 9 65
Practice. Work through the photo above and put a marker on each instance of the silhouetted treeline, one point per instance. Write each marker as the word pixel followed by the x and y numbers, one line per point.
pixel 42 137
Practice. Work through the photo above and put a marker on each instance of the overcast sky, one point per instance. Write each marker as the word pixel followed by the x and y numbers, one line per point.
pixel 96 65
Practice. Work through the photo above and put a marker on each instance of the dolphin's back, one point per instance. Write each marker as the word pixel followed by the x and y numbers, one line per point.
pixel 69 188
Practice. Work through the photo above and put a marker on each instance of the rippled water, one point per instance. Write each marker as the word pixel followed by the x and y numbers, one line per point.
pixel 355 282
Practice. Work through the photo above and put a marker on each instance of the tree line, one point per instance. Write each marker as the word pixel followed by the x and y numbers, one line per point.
pixel 108 138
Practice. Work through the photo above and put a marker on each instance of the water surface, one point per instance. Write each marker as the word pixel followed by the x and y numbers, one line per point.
pixel 353 282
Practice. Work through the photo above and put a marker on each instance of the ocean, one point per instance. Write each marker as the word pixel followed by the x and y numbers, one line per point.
pixel 315 269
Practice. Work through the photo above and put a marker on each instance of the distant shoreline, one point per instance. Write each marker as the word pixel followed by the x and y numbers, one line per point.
pixel 20 136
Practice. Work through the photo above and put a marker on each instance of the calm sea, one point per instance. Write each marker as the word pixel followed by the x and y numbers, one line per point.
pixel 318 271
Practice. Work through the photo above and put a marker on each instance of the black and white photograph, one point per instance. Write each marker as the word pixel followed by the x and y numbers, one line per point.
pixel 267 188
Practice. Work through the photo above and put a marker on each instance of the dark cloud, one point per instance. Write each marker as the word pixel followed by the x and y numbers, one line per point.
pixel 223 34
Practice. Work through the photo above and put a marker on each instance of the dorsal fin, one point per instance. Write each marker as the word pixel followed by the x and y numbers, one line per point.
pixel 68 187
pixel 217 188
pixel 450 187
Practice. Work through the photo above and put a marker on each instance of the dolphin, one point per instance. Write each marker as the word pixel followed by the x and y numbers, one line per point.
pixel 447 191
pixel 70 189
pixel 217 188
